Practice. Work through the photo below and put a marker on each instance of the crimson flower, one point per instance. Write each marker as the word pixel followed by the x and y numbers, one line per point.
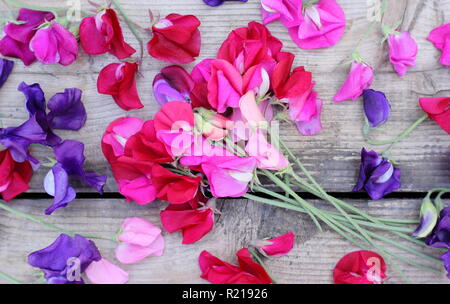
pixel 360 267
pixel 174 188
pixel 176 38
pixel 438 109
pixel 217 271
pixel 14 176
pixel 194 219
pixel 119 81
pixel 102 33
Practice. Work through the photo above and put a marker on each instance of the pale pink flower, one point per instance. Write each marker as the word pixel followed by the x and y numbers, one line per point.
pixel 104 272
pixel 267 156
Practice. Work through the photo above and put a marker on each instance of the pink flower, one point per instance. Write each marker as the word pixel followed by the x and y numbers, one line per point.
pixel 314 124
pixel 104 272
pixel 228 175
pixel 359 79
pixel 139 239
pixel 402 51
pixel 267 156
pixel 278 246
pixel 53 43
pixel 117 134
pixel 440 37
pixel 289 12
pixel 250 111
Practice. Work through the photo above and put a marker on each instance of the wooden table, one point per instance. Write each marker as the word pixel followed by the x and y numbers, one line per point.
pixel 332 156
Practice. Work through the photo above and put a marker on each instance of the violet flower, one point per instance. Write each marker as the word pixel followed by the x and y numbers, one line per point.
pixel 18 139
pixel 428 219
pixel 446 259
pixel 65 259
pixel 376 107
pixel 6 67
pixel 173 83
pixel 377 175
pixel 67 111
pixel 440 237
pixel 70 154
pixel 56 184
pixel 219 2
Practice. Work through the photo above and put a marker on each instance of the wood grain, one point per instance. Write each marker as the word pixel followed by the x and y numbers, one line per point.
pixel 333 155
pixel 242 221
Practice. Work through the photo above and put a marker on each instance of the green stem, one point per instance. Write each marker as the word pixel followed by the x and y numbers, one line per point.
pixel 9 278
pixel 400 137
pixel 130 25
pixel 255 255
pixel 46 224
pixel 34 7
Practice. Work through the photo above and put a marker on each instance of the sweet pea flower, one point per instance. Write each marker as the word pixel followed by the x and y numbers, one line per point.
pixel 14 176
pixel 212 125
pixel 287 11
pixel 102 34
pixel 360 267
pixel 228 176
pixel 249 46
pixel 173 188
pixel 65 259
pixel 176 38
pixel 105 272
pixel 266 155
pixel 119 81
pixel 53 43
pixel 16 42
pixel 428 219
pixel 134 179
pixel 377 175
pixel 217 271
pixel 402 51
pixel 171 84
pixel 6 67
pixel 194 219
pixel 314 125
pixel 70 154
pixel 438 109
pixel 376 107
pixel 250 111
pixel 440 37
pixel 145 146
pixel 277 247
pixel 117 134
pixel 446 259
pixel 56 184
pixel 440 237
pixel 321 26
pixel 138 239
pixel 219 2
pixel 359 79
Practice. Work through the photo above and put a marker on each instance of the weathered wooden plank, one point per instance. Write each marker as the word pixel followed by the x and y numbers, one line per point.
pixel 242 221
pixel 333 155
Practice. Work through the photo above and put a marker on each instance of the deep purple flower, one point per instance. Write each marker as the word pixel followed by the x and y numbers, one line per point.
pixel 219 2
pixel 67 112
pixel 56 184
pixel 440 237
pixel 70 154
pixel 19 139
pixel 377 175
pixel 173 83
pixel 446 259
pixel 36 106
pixel 376 107
pixel 16 42
pixel 66 259
pixel 6 67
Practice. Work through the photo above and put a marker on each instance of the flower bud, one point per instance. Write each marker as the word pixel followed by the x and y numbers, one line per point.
pixel 212 125
pixel 428 219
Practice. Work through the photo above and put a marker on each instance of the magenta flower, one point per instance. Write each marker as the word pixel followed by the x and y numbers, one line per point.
pixel 173 83
pixel 16 42
pixel 402 51
pixel 6 67
pixel 277 247
pixel 359 79
pixel 376 107
pixel 440 37
pixel 377 175
pixel 53 43
pixel 65 259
